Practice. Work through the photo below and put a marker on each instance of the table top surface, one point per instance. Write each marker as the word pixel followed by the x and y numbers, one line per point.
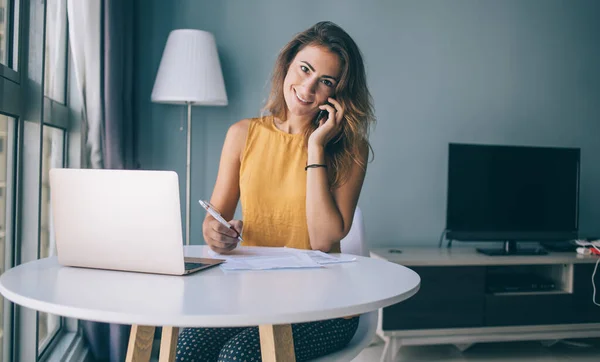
pixel 210 298
pixel 411 256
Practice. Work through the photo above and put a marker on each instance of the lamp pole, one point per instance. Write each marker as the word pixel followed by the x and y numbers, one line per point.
pixel 188 173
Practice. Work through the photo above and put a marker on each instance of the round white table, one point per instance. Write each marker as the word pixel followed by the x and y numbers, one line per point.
pixel 271 299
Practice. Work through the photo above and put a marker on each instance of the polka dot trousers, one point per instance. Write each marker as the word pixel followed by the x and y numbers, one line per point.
pixel 311 340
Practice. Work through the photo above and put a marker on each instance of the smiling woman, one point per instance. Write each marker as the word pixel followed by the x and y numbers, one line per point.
pixel 298 177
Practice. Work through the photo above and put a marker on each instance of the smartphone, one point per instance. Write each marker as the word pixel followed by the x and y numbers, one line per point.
pixel 323 114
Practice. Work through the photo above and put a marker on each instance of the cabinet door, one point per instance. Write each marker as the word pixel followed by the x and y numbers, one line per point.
pixel 449 297
pixel 585 309
pixel 528 309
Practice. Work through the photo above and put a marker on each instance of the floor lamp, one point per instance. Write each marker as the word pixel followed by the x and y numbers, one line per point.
pixel 190 74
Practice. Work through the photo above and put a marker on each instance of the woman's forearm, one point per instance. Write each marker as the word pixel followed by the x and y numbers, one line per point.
pixel 325 222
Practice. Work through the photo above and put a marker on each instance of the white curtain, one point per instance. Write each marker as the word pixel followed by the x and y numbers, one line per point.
pixel 85 41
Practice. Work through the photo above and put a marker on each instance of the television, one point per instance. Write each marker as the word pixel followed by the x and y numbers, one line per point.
pixel 511 194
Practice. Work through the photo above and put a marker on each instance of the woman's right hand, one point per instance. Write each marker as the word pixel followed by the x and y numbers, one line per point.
pixel 218 237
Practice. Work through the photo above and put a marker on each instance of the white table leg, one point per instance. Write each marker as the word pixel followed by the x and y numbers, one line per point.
pixel 140 343
pixel 391 349
pixel 168 344
pixel 277 343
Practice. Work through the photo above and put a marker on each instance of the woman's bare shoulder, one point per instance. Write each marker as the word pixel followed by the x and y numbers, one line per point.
pixel 239 130
pixel 237 134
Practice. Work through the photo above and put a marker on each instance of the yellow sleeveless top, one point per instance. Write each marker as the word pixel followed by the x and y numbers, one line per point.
pixel 273 187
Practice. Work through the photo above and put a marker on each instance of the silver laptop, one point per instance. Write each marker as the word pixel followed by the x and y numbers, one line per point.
pixel 121 220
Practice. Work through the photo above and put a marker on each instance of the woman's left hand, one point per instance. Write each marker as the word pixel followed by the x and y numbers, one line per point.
pixel 330 127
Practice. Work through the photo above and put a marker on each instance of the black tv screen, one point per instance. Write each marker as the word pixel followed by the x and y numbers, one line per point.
pixel 500 193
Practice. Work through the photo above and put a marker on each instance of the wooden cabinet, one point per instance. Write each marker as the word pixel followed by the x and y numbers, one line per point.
pixel 460 300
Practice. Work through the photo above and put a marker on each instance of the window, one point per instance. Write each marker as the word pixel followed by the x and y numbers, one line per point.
pixel 53 156
pixel 4 28
pixel 9 15
pixel 55 58
pixel 9 104
pixel 53 146
pixel 7 163
pixel 29 147
pixel 54 131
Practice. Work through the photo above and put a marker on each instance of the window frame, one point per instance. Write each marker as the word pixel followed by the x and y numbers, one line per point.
pixel 11 106
pixel 58 110
pixel 9 74
pixel 32 110
pixel 55 114
pixel 10 247
pixel 10 102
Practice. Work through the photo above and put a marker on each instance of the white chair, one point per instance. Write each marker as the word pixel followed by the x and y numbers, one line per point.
pixel 354 243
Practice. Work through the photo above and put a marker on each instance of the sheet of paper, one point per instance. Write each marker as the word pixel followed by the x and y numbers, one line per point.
pixel 324 258
pixel 270 262
pixel 263 258
pixel 242 252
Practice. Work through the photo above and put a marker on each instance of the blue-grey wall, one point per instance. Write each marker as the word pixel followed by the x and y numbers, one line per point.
pixel 484 71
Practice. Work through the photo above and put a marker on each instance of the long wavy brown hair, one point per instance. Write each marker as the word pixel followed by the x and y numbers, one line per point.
pixel 351 92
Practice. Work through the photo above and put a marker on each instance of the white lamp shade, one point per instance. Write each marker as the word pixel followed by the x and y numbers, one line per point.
pixel 190 71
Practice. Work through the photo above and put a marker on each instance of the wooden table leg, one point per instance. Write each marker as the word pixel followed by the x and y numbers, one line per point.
pixel 140 343
pixel 168 344
pixel 277 343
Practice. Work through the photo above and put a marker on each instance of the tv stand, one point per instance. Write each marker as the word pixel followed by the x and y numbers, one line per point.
pixel 510 248
pixel 467 297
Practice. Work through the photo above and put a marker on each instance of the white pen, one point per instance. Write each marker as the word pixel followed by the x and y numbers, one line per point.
pixel 211 210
